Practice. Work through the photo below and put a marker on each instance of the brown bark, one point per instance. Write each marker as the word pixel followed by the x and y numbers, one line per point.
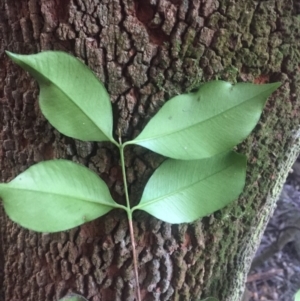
pixel 145 51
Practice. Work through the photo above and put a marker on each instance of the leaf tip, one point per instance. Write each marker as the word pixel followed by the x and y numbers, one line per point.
pixel 9 54
pixel 13 56
pixel 277 85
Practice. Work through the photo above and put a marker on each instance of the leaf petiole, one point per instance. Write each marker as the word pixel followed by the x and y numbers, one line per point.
pixel 129 216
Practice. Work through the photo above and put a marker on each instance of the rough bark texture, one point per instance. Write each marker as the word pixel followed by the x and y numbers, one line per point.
pixel 145 51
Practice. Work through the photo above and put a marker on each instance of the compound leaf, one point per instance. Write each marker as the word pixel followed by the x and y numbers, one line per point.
pixel 205 123
pixel 182 191
pixel 71 97
pixel 56 195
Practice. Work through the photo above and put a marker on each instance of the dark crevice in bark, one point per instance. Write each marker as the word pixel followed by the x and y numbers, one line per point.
pixel 152 19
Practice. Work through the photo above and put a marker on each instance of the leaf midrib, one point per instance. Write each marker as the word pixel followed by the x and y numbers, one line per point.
pixel 70 99
pixel 140 206
pixel 58 194
pixel 193 125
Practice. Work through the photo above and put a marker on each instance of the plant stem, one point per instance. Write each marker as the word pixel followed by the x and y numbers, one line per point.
pixel 124 176
pixel 136 272
pixel 129 216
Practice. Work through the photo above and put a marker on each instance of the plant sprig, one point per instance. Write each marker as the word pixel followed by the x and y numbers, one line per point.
pixel 196 130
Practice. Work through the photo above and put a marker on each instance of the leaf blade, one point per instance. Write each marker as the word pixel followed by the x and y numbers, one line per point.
pixel 297 296
pixel 56 195
pixel 65 83
pixel 205 123
pixel 194 179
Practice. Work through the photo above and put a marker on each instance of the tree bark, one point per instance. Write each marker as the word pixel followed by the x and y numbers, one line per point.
pixel 146 51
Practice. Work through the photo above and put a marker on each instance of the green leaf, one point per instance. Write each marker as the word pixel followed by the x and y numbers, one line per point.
pixel 297 296
pixel 205 123
pixel 73 297
pixel 56 195
pixel 71 97
pixel 182 191
pixel 209 299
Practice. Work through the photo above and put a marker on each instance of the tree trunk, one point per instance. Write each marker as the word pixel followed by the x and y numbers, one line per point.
pixel 146 51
